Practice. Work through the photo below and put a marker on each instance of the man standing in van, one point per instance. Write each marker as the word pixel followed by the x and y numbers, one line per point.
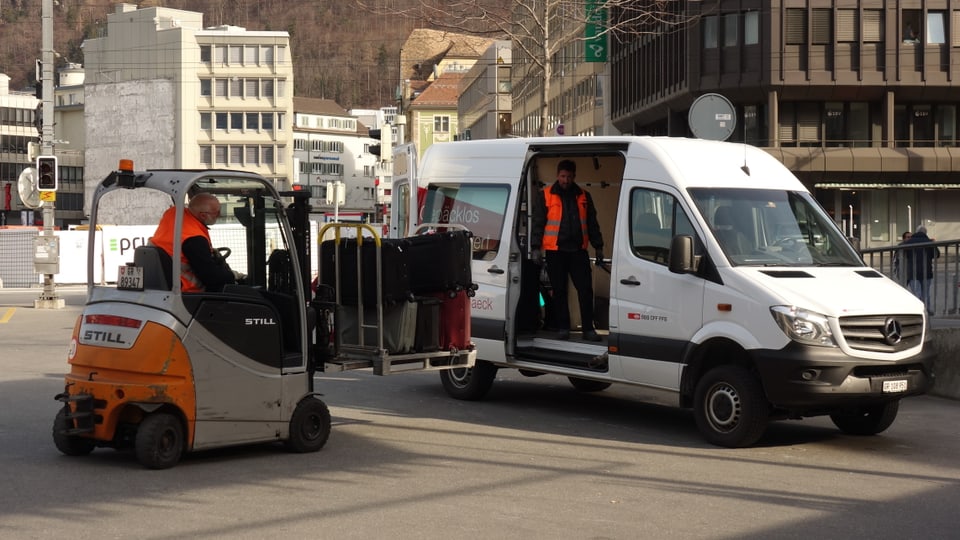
pixel 563 226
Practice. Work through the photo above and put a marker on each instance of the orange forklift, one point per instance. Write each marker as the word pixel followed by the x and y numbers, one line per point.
pixel 166 372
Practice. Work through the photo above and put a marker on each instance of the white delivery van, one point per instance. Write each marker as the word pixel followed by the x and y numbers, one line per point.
pixel 728 288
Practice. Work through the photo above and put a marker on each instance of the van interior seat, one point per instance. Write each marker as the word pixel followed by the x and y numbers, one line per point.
pixel 729 232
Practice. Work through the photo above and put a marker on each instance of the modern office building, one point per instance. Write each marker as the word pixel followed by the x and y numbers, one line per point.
pixel 168 93
pixel 17 131
pixel 858 97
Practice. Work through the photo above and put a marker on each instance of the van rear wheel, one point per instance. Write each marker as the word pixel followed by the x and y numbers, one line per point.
pixel 868 420
pixel 730 408
pixel 469 384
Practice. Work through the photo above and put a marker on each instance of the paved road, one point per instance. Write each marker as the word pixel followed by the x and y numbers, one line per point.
pixel 536 460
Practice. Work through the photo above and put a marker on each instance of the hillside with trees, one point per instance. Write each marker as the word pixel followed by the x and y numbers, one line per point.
pixel 340 52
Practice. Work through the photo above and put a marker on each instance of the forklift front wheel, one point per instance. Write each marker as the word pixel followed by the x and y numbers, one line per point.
pixel 159 442
pixel 309 426
pixel 71 445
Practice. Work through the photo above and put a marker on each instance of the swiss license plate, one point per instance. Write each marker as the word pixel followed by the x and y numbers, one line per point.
pixel 894 386
pixel 130 278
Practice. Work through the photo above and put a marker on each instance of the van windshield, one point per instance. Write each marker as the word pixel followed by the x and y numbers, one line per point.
pixel 759 227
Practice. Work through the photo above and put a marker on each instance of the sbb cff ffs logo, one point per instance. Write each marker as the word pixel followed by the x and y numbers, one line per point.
pixel 47 172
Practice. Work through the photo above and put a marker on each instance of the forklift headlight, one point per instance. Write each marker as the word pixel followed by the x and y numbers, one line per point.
pixel 804 326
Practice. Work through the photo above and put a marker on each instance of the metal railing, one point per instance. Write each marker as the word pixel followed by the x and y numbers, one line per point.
pixel 893 262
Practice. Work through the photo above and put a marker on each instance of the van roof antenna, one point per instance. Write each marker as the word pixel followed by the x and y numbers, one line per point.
pixel 745 168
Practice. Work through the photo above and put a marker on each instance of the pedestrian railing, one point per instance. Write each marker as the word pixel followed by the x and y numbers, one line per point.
pixel 944 286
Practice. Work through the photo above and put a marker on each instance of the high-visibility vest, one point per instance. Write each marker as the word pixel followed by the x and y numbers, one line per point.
pixel 163 238
pixel 555 213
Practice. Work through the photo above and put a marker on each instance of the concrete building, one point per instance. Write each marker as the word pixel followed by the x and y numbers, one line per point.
pixel 168 93
pixel 859 98
pixel 433 114
pixel 17 131
pixel 484 105
pixel 331 145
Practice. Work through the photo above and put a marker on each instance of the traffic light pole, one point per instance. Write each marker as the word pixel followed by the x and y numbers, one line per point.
pixel 48 298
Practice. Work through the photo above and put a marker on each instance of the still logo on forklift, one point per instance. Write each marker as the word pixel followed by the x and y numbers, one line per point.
pixel 106 337
pixel 254 321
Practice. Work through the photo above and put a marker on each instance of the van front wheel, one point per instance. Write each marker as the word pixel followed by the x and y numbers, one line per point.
pixel 730 407
pixel 469 384
pixel 868 420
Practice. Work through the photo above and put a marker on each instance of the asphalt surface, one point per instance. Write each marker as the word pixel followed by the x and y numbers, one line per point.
pixel 535 460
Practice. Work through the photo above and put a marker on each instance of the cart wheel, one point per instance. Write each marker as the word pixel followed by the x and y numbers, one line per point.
pixel 309 426
pixel 159 442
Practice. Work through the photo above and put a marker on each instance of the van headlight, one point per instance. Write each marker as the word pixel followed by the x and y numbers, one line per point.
pixel 804 326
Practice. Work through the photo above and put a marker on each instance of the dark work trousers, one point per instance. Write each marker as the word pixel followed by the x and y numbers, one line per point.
pixel 575 264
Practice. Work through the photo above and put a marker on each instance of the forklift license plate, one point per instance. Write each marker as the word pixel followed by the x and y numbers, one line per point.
pixel 130 278
pixel 894 386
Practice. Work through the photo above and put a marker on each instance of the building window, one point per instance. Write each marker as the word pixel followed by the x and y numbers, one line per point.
pixel 250 55
pixel 834 124
pixel 266 121
pixel 441 124
pixel 221 120
pixel 220 87
pixel 796 31
pixel 730 29
pixel 281 54
pixel 503 79
pixel 236 87
pixel 912 29
pixel 205 121
pixel 299 144
pixel 847 26
pixel 751 28
pixel 872 25
pixel 281 88
pixel 253 155
pixel 206 155
pixel 266 55
pixel 267 88
pixel 220 153
pixel 205 87
pixel 236 155
pixel 221 54
pixel 858 124
pixel 253 121
pixel 236 55
pixel 710 32
pixel 236 121
pixel 205 54
pixel 253 88
pixel 936 33
pixel 268 155
pixel 822 31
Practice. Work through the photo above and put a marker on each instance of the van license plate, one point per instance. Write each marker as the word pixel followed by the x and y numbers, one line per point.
pixel 894 386
pixel 130 278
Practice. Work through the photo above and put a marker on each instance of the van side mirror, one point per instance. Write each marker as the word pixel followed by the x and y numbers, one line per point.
pixel 682 260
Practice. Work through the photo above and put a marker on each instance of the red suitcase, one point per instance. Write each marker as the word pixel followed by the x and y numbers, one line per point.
pixel 454 321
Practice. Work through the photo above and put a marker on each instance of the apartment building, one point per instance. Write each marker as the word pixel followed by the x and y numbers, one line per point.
pixel 17 131
pixel 858 97
pixel 165 91
pixel 330 146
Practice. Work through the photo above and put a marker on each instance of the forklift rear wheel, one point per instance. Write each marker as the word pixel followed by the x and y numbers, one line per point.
pixel 159 442
pixel 70 445
pixel 309 426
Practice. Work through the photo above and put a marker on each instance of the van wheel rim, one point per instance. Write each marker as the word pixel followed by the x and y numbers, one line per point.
pixel 724 407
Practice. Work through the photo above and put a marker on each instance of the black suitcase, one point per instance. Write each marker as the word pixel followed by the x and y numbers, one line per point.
pixel 395 274
pixel 440 262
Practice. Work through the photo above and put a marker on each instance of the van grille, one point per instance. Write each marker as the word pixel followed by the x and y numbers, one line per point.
pixel 882 333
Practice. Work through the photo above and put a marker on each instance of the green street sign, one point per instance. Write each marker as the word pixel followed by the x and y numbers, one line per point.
pixel 595 45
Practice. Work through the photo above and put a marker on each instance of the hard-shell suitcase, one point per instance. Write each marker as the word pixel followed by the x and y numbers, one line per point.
pixel 454 320
pixel 395 273
pixel 440 261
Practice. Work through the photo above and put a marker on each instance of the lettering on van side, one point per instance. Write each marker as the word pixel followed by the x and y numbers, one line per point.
pixel 459 214
pixel 481 304
pixel 646 317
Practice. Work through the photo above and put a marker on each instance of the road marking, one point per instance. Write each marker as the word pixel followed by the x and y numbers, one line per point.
pixel 7 315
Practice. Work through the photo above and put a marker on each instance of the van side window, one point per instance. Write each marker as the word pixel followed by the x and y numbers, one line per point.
pixel 655 218
pixel 479 208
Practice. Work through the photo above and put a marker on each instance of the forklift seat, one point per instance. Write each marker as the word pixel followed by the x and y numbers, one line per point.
pixel 157 267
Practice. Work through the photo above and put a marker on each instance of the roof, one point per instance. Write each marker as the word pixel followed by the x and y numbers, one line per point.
pixel 444 92
pixel 328 107
pixel 425 47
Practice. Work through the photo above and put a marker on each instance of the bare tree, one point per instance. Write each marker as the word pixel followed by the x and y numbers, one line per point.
pixel 539 29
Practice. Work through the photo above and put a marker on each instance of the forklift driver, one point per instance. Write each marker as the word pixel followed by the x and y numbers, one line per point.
pixel 201 268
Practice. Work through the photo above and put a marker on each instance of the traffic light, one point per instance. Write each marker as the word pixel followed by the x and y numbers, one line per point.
pixel 47 173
